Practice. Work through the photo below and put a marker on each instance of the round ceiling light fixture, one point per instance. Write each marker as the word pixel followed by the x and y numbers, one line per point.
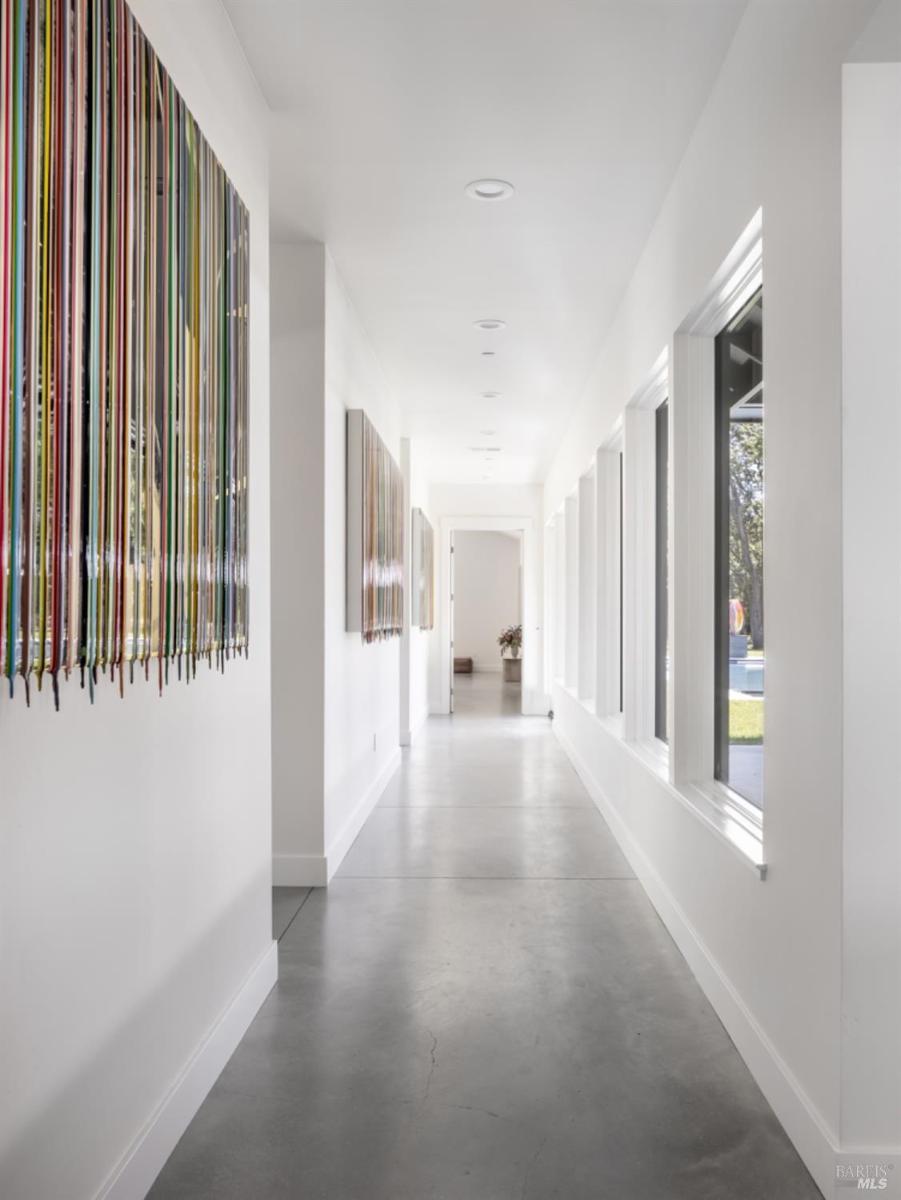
pixel 490 395
pixel 487 354
pixel 489 189
pixel 490 324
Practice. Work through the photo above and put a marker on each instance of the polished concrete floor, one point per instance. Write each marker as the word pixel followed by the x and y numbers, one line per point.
pixel 484 1007
pixel 286 904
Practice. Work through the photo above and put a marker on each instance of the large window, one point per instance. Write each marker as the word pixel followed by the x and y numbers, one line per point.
pixel 661 630
pixel 740 655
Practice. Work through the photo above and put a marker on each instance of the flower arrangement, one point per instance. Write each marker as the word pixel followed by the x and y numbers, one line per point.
pixel 510 641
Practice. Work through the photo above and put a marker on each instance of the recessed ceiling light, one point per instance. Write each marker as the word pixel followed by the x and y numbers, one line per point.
pixel 490 324
pixel 489 189
pixel 490 395
pixel 486 432
pixel 487 354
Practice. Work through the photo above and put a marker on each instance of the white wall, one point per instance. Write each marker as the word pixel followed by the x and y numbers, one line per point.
pixel 298 533
pixel 362 682
pixel 871 979
pixel 880 42
pixel 336 700
pixel 769 138
pixel 486 594
pixel 135 835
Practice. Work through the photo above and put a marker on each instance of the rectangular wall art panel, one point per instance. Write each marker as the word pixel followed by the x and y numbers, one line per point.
pixel 375 534
pixel 423 571
pixel 123 358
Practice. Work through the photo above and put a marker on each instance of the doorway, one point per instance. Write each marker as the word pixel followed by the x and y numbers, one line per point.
pixel 486 620
pixel 532 696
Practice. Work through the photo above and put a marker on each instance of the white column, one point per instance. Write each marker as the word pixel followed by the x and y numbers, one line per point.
pixel 692 568
pixel 571 667
pixel 298 475
pixel 639 567
pixel 550 602
pixel 560 595
pixel 871 343
pixel 587 671
pixel 607 570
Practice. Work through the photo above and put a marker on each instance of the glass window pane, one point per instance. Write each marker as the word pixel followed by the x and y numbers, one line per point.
pixel 741 658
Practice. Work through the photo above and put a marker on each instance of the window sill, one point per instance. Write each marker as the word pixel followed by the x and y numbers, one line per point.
pixel 714 805
pixel 655 756
pixel 613 723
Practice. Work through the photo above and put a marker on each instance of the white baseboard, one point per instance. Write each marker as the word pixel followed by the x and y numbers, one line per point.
pixel 299 870
pixel 808 1130
pixel 344 839
pixel 135 1173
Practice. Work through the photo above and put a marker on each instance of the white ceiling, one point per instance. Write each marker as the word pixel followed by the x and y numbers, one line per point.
pixel 383 110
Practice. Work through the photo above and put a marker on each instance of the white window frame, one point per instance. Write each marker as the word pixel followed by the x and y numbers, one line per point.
pixel 692 549
pixel 571 611
pixel 607 568
pixel 586 682
pixel 640 561
pixel 559 669
pixel 550 602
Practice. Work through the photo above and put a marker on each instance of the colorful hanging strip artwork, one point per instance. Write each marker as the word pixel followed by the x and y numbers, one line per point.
pixel 375 534
pixel 423 571
pixel 123 359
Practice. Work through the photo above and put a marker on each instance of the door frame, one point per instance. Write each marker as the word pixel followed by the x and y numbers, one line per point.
pixel 534 695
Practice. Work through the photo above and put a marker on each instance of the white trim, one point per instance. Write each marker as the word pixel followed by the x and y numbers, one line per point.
pixel 136 1171
pixel 691 597
pixel 692 551
pixel 299 870
pixel 639 571
pixel 708 803
pixel 559 627
pixel 655 388
pixel 655 754
pixel 586 677
pixel 550 598
pixel 571 613
pixel 732 286
pixel 805 1125
pixel 336 850
pixel 607 570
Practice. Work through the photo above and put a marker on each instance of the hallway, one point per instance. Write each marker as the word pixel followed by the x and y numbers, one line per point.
pixel 484 1006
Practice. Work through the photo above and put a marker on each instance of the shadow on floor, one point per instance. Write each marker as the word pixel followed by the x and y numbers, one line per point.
pixel 286 904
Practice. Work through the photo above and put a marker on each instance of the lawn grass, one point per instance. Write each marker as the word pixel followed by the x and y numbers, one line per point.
pixel 746 722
